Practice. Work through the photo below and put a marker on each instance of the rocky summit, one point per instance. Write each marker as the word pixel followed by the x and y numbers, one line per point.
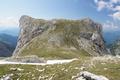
pixel 59 38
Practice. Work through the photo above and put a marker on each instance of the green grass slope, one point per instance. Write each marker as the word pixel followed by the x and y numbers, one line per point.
pixel 108 68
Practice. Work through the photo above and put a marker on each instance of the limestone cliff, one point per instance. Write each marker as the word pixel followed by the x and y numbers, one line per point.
pixel 59 38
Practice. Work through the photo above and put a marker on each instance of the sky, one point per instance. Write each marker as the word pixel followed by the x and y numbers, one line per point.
pixel 106 12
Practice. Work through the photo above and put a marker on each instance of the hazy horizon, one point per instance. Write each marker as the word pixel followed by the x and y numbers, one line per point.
pixel 105 12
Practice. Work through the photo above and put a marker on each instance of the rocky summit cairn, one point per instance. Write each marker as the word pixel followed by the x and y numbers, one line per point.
pixel 50 35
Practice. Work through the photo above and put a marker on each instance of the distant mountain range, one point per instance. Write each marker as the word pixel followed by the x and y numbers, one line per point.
pixel 111 36
pixel 14 31
pixel 7 44
pixel 8 41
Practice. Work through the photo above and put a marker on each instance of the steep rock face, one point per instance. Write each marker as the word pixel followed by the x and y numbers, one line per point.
pixel 41 37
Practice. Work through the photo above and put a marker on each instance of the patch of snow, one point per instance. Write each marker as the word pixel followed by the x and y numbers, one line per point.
pixel 60 61
pixel 49 62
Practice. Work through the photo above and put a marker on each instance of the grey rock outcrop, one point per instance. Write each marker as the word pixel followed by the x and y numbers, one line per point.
pixel 80 34
pixel 29 28
pixel 85 75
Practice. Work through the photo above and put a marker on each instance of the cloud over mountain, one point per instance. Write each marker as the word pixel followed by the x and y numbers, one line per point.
pixel 8 21
pixel 110 26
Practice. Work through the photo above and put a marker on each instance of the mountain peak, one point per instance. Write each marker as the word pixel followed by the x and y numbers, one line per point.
pixel 84 36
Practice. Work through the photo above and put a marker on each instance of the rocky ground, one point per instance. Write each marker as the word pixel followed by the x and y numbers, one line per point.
pixel 94 68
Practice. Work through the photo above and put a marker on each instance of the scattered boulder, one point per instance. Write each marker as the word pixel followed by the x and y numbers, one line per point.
pixel 6 77
pixel 85 75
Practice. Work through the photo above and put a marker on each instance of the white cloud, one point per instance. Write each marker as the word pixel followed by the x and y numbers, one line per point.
pixel 108 4
pixel 9 21
pixel 101 5
pixel 112 5
pixel 114 1
pixel 117 8
pixel 110 26
pixel 116 15
pixel 114 11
